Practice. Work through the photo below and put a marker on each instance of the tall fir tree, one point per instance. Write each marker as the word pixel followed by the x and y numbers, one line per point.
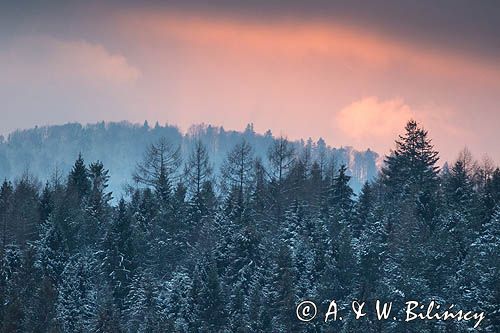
pixel 78 180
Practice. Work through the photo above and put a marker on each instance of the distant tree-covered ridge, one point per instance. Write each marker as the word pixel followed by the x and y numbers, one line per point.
pixel 45 151
pixel 197 247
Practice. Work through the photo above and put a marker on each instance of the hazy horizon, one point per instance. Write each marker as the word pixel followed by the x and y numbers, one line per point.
pixel 184 131
pixel 350 73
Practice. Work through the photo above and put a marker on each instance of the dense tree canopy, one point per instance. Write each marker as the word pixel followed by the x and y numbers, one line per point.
pixel 236 249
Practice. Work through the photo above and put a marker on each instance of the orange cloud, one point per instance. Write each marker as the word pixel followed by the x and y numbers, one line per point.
pixel 296 40
pixel 375 123
pixel 370 122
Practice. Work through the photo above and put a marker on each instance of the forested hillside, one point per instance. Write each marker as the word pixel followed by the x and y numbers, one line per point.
pixel 48 151
pixel 233 245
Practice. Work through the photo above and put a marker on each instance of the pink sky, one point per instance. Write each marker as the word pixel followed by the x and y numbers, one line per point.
pixel 303 78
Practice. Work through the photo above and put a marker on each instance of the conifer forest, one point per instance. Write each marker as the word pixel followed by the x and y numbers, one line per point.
pixel 195 242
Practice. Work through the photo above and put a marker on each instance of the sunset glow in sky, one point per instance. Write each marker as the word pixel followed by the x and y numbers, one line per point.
pixel 348 72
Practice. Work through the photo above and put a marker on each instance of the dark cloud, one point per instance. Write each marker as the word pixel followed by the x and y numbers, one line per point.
pixel 468 26
pixel 472 26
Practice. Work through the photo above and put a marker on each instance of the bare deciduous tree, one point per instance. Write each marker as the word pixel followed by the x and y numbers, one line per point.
pixel 237 170
pixel 161 163
pixel 198 168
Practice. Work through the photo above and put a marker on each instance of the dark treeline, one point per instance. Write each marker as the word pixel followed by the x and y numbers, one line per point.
pixel 186 251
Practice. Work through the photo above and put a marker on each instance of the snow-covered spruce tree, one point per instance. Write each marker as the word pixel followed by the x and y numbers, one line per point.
pixel 77 293
pixel 364 210
pixel 458 229
pixel 118 256
pixel 51 251
pixel 410 176
pixel 210 310
pixel 410 202
pixel 12 311
pixel 491 196
pixel 25 211
pixel 479 274
pixel 79 184
pixel 98 204
pixel 340 201
pixel 5 210
pixel 46 203
pixel 143 306
pixel 283 293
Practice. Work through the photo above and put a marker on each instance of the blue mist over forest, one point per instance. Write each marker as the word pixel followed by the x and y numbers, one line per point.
pixel 48 152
